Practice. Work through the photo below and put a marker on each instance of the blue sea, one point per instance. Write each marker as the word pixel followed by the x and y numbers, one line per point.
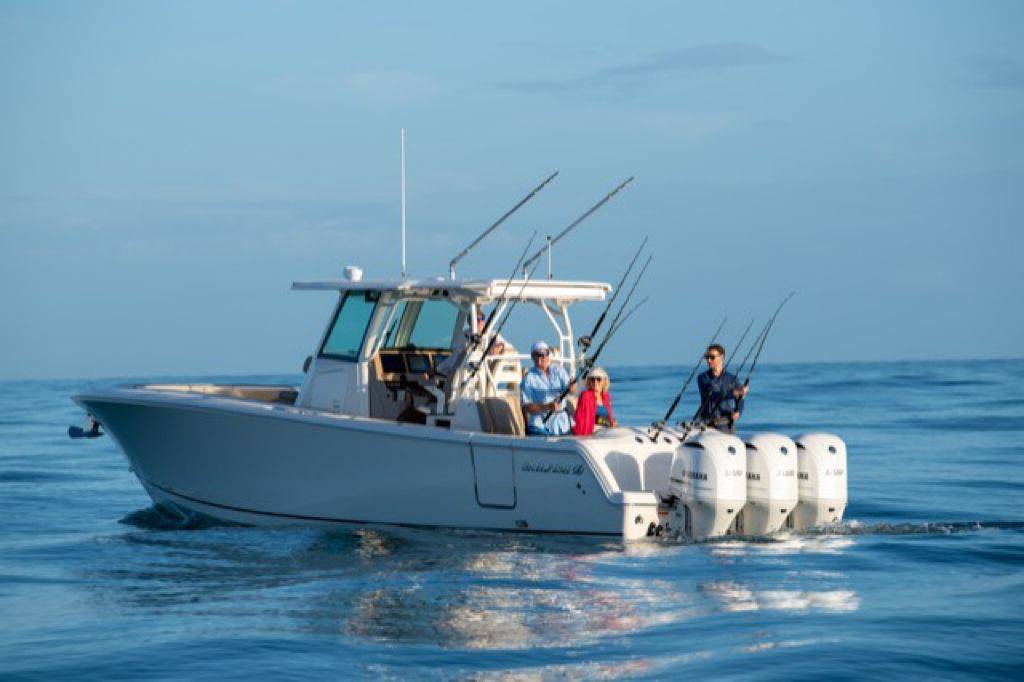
pixel 925 579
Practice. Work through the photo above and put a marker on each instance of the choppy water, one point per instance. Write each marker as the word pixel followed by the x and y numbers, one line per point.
pixel 925 578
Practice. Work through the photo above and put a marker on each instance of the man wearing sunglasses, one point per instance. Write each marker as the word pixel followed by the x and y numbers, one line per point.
pixel 721 395
pixel 540 389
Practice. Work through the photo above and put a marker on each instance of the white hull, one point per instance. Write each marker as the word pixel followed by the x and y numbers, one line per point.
pixel 269 464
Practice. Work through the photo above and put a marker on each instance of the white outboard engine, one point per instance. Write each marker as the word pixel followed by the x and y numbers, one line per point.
pixel 822 480
pixel 708 480
pixel 772 492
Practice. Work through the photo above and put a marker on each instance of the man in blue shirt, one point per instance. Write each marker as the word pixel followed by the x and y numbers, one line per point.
pixel 540 388
pixel 721 395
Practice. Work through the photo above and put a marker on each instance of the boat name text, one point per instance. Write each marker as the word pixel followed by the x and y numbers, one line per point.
pixel 553 468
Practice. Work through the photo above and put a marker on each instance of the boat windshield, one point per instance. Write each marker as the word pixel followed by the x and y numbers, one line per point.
pixel 423 325
pixel 349 326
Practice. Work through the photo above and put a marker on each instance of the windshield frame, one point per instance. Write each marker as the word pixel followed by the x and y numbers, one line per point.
pixel 366 293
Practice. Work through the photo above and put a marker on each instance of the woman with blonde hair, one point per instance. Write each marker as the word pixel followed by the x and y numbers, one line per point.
pixel 595 404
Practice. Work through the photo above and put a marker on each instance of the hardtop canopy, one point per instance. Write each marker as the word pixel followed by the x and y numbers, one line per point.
pixel 477 291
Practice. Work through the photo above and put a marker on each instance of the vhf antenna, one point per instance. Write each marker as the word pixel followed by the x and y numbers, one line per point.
pixel 499 221
pixel 403 203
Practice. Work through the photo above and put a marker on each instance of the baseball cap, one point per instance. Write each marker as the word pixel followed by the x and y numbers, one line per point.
pixel 540 348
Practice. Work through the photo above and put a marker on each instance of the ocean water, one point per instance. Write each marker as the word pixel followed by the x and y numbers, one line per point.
pixel 925 579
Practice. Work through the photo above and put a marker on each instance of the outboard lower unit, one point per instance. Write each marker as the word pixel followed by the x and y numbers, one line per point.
pixel 772 491
pixel 822 480
pixel 708 485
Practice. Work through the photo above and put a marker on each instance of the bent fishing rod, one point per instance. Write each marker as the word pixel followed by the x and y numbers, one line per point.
pixel 617 321
pixel 660 425
pixel 540 252
pixel 499 221
pixel 587 339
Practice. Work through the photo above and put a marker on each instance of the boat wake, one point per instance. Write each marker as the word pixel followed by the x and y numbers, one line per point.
pixel 856 528
pixel 927 528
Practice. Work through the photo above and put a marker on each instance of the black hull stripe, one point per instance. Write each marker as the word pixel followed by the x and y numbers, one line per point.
pixel 360 522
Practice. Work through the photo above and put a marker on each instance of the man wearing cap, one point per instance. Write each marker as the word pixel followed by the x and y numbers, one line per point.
pixel 540 388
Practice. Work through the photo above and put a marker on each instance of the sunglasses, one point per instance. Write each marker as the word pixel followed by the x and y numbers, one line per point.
pixel 711 356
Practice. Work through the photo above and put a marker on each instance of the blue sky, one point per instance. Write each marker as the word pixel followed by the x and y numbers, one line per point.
pixel 167 170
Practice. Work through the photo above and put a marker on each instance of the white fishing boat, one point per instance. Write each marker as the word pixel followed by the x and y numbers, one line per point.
pixel 333 450
pixel 373 436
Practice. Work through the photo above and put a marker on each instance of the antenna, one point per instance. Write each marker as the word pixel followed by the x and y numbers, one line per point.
pixel 499 221
pixel 403 203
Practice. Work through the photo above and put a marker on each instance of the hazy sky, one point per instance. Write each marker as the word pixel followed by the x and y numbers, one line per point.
pixel 168 169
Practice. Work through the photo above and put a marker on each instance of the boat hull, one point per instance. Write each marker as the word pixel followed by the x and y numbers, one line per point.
pixel 262 464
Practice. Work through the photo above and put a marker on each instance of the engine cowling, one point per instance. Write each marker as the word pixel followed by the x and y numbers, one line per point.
pixel 772 489
pixel 821 480
pixel 708 480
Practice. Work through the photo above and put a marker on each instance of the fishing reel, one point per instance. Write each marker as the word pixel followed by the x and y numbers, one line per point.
pixel 585 342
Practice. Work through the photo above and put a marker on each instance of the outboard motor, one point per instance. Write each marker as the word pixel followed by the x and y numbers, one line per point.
pixel 708 482
pixel 822 480
pixel 771 484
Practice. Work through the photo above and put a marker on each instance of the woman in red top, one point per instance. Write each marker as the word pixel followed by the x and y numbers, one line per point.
pixel 595 404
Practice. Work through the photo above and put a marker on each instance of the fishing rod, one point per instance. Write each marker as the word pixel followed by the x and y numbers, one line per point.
pixel 584 371
pixel 536 257
pixel 614 328
pixel 721 398
pixel 587 339
pixel 478 336
pixel 625 302
pixel 759 344
pixel 750 350
pixel 501 325
pixel 494 226
pixel 659 426
pixel 618 320
pixel 764 338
